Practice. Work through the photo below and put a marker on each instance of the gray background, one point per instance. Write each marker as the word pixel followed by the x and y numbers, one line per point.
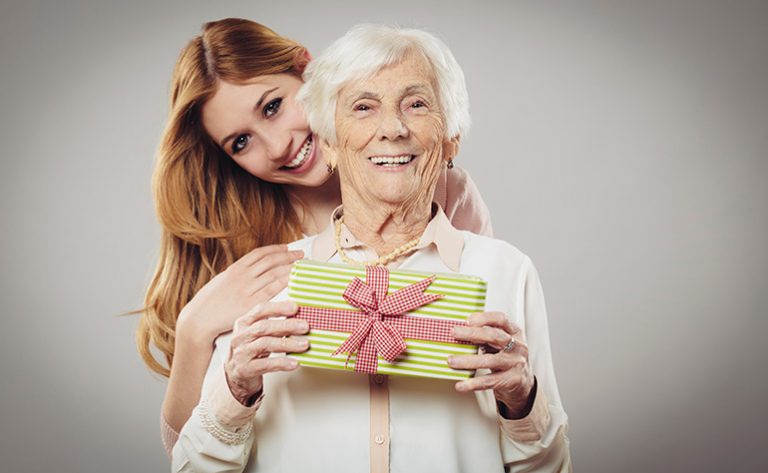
pixel 622 145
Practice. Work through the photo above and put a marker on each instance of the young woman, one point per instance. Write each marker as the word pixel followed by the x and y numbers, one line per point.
pixel 239 174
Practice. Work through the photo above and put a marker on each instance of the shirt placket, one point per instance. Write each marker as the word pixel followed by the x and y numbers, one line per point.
pixel 379 433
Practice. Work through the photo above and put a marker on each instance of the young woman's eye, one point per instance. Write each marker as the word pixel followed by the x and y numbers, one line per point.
pixel 272 107
pixel 239 143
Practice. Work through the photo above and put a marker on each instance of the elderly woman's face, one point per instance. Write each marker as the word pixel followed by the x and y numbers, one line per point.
pixel 390 131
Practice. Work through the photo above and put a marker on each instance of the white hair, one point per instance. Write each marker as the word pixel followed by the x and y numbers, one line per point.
pixel 364 51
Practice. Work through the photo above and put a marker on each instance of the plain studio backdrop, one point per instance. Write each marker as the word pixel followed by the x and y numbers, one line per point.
pixel 622 145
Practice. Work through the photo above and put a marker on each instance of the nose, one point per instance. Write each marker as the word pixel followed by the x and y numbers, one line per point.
pixel 276 144
pixel 392 126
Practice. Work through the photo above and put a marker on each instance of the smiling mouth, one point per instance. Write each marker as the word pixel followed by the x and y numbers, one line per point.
pixel 392 161
pixel 301 156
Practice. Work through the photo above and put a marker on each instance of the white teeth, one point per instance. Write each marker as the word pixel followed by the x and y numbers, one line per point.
pixel 391 160
pixel 301 155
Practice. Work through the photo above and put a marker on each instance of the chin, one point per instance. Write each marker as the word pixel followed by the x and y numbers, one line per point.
pixel 394 198
pixel 315 177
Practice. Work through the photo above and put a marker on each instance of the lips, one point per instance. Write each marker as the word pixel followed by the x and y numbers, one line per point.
pixel 301 157
pixel 392 161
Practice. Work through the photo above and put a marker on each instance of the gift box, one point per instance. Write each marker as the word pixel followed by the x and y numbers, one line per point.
pixel 374 320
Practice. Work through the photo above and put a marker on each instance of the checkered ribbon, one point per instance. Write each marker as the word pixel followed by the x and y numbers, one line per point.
pixel 381 326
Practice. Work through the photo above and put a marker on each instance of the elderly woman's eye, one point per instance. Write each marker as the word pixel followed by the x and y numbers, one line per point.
pixel 418 104
pixel 272 107
pixel 361 107
pixel 239 143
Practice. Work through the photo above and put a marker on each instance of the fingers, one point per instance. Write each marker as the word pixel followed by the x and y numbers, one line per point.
pixel 259 333
pixel 479 383
pixel 263 311
pixel 493 319
pixel 269 276
pixel 269 284
pixel 493 362
pixel 272 260
pixel 271 328
pixel 265 346
pixel 485 335
pixel 492 329
pixel 258 253
pixel 510 382
pixel 245 376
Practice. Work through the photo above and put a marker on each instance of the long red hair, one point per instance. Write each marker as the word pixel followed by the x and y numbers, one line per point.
pixel 211 211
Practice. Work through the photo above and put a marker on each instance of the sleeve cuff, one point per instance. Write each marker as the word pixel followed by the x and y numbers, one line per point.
pixel 531 427
pixel 228 410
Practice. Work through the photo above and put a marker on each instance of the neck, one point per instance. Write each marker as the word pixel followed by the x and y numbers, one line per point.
pixel 385 227
pixel 314 205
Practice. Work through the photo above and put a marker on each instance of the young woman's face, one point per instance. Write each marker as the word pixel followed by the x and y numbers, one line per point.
pixel 262 127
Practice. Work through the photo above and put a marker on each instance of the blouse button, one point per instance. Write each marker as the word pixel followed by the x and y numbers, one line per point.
pixel 379 379
pixel 379 439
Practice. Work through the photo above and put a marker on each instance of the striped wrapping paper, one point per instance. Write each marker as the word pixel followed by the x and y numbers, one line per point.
pixel 317 284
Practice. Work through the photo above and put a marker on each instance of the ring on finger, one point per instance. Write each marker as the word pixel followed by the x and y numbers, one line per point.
pixel 509 346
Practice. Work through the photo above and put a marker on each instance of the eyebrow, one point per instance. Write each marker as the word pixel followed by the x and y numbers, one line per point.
pixel 366 95
pixel 261 100
pixel 411 89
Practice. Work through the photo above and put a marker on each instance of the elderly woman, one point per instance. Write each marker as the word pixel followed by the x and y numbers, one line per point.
pixel 389 106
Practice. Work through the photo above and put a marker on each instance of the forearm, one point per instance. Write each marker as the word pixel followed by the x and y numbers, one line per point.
pixel 198 451
pixel 551 453
pixel 538 442
pixel 218 436
pixel 192 356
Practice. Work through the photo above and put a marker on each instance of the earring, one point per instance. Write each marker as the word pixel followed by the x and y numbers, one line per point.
pixel 450 163
pixel 329 168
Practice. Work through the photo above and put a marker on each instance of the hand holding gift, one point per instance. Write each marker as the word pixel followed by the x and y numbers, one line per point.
pixel 506 356
pixel 262 331
pixel 396 322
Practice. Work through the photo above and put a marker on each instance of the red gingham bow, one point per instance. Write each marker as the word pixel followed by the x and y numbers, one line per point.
pixel 381 327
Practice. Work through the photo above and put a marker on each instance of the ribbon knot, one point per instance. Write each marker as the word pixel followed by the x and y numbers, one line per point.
pixel 374 335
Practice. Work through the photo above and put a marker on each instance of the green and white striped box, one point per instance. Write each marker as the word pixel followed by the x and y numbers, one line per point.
pixel 317 284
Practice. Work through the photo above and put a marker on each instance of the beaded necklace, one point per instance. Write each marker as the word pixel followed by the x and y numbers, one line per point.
pixel 382 260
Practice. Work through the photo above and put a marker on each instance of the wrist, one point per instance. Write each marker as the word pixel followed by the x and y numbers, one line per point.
pixel 245 395
pixel 518 407
pixel 190 330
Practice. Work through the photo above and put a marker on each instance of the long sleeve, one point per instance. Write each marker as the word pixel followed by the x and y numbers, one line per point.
pixel 167 435
pixel 198 449
pixel 538 442
pixel 462 203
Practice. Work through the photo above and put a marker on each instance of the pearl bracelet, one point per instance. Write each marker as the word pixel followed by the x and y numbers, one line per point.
pixel 225 435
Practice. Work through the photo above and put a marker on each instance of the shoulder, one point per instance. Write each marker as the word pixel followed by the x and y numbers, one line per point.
pixel 457 176
pixel 507 271
pixel 305 244
pixel 483 251
pixel 462 202
pixel 458 184
pixel 451 185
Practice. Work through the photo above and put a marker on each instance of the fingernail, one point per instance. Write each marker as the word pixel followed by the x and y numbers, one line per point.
pixel 293 363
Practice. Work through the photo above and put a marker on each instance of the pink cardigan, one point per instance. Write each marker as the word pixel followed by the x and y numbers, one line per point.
pixel 458 196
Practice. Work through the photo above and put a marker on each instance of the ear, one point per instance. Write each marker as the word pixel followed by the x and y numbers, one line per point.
pixel 301 61
pixel 329 153
pixel 451 148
